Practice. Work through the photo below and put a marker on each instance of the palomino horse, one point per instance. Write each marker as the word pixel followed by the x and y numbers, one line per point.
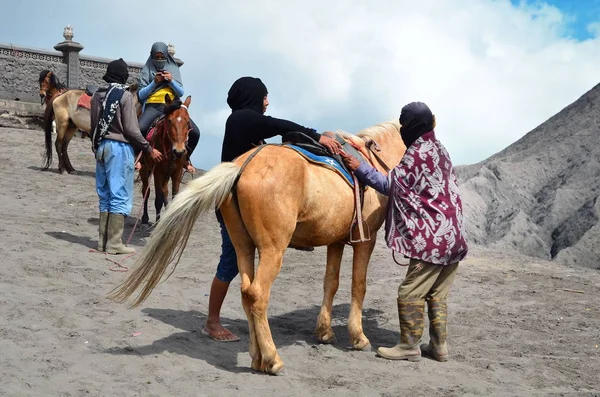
pixel 276 199
pixel 65 108
pixel 169 137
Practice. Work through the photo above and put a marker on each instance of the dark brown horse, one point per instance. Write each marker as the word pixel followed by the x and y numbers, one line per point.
pixel 64 108
pixel 169 137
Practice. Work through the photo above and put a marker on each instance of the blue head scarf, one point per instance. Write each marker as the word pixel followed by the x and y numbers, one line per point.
pixel 153 65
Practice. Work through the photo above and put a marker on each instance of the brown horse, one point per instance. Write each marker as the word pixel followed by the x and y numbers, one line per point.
pixel 63 108
pixel 276 199
pixel 169 137
pixel 50 86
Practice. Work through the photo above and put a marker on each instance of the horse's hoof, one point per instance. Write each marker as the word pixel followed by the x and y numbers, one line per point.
pixel 363 345
pixel 367 349
pixel 276 370
pixel 282 372
pixel 328 339
pixel 73 172
pixel 255 365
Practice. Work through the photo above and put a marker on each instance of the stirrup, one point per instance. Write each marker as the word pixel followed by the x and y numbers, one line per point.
pixel 361 232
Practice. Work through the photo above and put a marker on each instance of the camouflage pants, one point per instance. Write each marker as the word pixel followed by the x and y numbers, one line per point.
pixel 426 280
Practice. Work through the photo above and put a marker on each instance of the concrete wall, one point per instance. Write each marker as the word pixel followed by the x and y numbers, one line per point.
pixel 21 68
pixel 91 70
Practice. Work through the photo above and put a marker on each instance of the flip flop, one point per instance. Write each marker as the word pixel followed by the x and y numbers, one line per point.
pixel 222 336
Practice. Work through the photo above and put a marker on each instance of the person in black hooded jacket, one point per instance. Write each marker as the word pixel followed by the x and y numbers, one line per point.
pixel 246 128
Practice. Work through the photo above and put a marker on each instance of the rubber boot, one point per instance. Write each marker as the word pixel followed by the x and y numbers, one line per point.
pixel 115 245
pixel 102 229
pixel 438 319
pixel 411 330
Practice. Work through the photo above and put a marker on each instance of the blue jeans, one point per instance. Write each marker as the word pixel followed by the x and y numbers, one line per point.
pixel 227 268
pixel 114 176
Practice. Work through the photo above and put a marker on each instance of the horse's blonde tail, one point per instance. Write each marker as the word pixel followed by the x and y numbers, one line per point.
pixel 169 238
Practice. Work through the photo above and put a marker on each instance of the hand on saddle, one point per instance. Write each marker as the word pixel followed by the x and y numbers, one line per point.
pixel 351 162
pixel 330 143
pixel 156 155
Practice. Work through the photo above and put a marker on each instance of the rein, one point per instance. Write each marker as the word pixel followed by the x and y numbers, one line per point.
pixel 373 147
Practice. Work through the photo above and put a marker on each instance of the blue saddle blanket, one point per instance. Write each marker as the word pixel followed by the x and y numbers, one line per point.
pixel 325 161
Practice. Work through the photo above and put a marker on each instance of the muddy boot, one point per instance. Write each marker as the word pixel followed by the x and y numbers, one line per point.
pixel 114 244
pixel 438 318
pixel 102 229
pixel 411 330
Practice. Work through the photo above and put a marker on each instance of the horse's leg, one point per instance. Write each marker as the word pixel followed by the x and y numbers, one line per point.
pixel 258 294
pixel 164 196
pixel 176 178
pixel 144 176
pixel 331 282
pixel 62 125
pixel 245 252
pixel 159 182
pixel 360 262
pixel 67 162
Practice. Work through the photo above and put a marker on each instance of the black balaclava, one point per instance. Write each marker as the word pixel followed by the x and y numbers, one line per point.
pixel 247 93
pixel 116 72
pixel 416 120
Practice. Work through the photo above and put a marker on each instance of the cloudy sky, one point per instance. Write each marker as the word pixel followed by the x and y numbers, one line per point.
pixel 490 70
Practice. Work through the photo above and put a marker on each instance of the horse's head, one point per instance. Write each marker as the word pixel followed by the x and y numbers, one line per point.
pixel 49 85
pixel 44 82
pixel 178 123
pixel 384 141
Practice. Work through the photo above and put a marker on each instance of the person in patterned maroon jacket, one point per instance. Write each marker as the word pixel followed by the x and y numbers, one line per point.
pixel 425 224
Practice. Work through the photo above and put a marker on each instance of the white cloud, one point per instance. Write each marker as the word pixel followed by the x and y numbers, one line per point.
pixel 490 71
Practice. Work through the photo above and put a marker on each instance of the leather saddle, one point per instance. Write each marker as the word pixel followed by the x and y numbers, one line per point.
pixel 304 141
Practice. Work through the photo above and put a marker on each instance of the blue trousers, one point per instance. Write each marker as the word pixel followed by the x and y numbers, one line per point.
pixel 114 176
pixel 227 268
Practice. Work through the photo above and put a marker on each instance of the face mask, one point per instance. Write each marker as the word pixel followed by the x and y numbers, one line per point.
pixel 159 64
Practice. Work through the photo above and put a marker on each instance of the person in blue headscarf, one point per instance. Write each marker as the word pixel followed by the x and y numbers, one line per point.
pixel 160 76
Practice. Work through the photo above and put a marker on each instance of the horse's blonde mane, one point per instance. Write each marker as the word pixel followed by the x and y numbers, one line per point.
pixel 375 131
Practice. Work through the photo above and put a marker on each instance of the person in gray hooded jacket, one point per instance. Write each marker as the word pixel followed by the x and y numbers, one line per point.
pixel 115 131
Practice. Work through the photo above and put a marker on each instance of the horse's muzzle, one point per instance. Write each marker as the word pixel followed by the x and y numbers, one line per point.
pixel 178 153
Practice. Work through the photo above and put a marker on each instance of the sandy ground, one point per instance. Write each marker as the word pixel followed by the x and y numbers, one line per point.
pixel 513 329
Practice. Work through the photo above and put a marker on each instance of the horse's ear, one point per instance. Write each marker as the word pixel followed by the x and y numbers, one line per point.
pixel 187 102
pixel 168 99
